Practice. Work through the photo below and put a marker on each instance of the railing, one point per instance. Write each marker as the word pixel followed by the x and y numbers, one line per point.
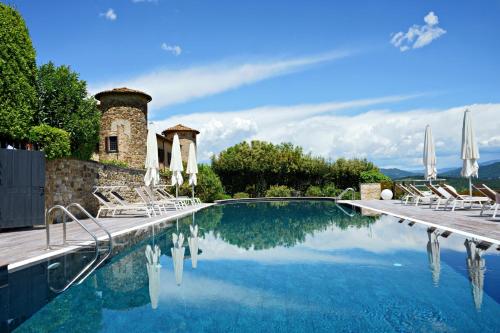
pixel 344 192
pixel 94 263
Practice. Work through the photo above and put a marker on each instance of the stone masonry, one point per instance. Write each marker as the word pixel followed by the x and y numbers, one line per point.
pixel 370 191
pixel 124 115
pixel 71 180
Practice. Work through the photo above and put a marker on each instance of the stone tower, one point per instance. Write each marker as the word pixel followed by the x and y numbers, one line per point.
pixel 124 127
pixel 186 136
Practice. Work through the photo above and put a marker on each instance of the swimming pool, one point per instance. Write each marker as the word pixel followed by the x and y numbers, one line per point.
pixel 288 267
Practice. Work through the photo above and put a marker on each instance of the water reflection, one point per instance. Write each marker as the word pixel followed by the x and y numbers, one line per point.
pixel 434 254
pixel 153 268
pixel 476 266
pixel 291 261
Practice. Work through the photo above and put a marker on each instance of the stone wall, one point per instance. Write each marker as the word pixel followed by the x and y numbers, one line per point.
pixel 370 191
pixel 70 180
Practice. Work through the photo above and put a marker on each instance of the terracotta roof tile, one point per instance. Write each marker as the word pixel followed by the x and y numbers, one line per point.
pixel 122 90
pixel 179 128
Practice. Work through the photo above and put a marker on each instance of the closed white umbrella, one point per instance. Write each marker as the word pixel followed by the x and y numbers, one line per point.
pixel 192 167
pixel 176 164
pixel 429 158
pixel 152 165
pixel 470 152
pixel 153 267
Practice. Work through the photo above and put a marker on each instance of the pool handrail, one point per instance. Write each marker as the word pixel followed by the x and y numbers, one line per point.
pixel 344 192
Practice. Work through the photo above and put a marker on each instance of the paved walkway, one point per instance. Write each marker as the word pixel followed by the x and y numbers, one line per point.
pixel 464 222
pixel 25 247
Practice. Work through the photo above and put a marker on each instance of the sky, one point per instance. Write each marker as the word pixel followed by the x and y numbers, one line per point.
pixel 341 79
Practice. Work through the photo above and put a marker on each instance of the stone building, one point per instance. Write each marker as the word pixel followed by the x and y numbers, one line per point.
pixel 124 129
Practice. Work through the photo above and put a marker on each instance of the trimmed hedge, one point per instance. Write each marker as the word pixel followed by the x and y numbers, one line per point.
pixel 54 142
pixel 241 195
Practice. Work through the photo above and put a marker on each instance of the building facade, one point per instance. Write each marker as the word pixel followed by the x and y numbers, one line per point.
pixel 124 129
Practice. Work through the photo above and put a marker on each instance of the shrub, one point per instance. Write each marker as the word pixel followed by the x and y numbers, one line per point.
pixel 314 191
pixel 329 190
pixel 241 195
pixel 116 163
pixel 279 191
pixel 18 97
pixel 54 142
pixel 209 186
pixel 346 173
pixel 63 103
pixel 373 176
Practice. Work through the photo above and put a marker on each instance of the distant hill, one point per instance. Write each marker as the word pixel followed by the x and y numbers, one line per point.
pixel 395 173
pixel 486 171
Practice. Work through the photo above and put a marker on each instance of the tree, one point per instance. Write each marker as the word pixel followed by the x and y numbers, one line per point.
pixel 17 76
pixel 64 103
pixel 54 142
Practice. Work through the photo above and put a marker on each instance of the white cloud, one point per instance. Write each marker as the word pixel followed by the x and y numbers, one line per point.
pixel 389 138
pixel 109 15
pixel 418 36
pixel 170 87
pixel 174 49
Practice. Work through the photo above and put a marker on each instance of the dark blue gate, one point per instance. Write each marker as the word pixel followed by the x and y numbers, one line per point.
pixel 22 184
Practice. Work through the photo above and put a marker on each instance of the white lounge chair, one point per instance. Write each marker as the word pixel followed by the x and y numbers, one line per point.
pixel 458 198
pixel 160 205
pixel 441 196
pixel 422 197
pixel 114 205
pixel 494 204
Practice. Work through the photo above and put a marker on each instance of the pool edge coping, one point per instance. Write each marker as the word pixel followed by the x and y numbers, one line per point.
pixel 18 265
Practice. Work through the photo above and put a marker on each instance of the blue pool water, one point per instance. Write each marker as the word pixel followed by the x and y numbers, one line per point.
pixel 303 266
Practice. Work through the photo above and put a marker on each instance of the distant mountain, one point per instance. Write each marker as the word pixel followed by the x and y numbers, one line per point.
pixel 486 171
pixel 395 173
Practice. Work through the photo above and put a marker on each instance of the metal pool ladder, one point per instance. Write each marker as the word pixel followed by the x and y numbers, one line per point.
pixel 344 192
pixel 96 261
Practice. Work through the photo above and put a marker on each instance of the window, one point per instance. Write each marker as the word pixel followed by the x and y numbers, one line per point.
pixel 161 155
pixel 112 144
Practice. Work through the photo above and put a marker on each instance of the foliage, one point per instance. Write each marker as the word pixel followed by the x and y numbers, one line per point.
pixel 252 167
pixel 314 191
pixel 373 176
pixel 116 163
pixel 329 190
pixel 17 76
pixel 346 173
pixel 63 103
pixel 54 142
pixel 241 195
pixel 209 186
pixel 279 191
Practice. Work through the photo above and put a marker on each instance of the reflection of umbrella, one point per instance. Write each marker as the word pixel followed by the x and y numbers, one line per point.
pixel 470 152
pixel 176 164
pixel 152 165
pixel 153 266
pixel 434 254
pixel 178 256
pixel 476 267
pixel 192 167
pixel 193 245
pixel 429 159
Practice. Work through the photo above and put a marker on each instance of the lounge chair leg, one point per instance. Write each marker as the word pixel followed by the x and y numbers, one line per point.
pixel 495 211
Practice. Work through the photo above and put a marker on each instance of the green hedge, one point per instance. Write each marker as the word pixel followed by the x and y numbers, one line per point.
pixel 18 97
pixel 54 142
pixel 241 195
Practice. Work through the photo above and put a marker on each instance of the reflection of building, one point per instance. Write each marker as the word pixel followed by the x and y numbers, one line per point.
pixel 124 129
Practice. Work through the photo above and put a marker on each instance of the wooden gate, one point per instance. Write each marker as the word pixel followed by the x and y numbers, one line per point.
pixel 22 185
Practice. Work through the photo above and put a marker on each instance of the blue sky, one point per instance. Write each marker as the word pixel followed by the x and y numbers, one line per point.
pixel 229 67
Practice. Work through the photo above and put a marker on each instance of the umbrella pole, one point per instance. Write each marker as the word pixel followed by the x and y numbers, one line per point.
pixel 470 186
pixel 176 190
pixel 192 191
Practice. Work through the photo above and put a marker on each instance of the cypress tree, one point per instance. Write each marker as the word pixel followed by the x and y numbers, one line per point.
pixel 18 95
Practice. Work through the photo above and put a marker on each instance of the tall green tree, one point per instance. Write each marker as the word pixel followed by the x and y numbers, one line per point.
pixel 17 76
pixel 64 103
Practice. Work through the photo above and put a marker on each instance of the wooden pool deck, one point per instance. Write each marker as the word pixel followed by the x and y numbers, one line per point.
pixel 25 247
pixel 466 222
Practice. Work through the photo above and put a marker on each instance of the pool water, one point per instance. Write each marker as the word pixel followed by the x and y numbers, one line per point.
pixel 297 266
